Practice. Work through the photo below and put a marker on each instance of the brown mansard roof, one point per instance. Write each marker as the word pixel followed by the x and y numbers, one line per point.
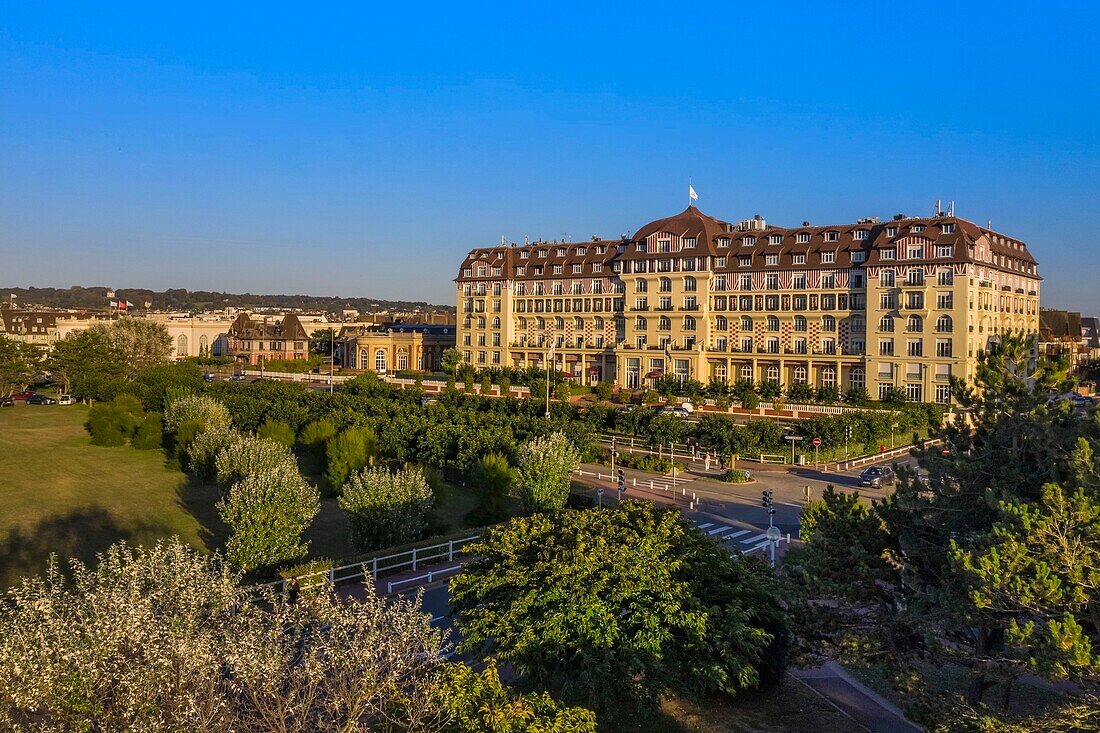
pixel 710 232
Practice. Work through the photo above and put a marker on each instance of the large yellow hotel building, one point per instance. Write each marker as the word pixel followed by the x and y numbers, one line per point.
pixel 878 304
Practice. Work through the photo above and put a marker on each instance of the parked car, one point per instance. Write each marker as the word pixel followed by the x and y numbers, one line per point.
pixel 41 399
pixel 877 476
pixel 237 378
pixel 677 410
pixel 208 377
pixel 7 402
pixel 24 395
pixel 65 399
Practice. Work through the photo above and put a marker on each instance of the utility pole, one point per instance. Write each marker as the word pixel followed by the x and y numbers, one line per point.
pixel 773 533
pixel 672 456
pixel 331 359
pixel 549 366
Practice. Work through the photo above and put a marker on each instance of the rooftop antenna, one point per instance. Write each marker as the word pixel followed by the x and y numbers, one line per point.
pixel 503 240
pixel 951 209
pixel 938 208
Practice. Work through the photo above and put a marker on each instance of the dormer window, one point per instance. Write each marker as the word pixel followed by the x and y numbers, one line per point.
pixel 891 231
pixel 466 272
pixel 524 255
pixel 861 234
pixel 689 242
pixel 600 250
pixel 543 252
pixel 799 259
pixel 776 239
pixel 582 251
pixel 888 254
pixel 723 241
pixel 832 236
pixel 860 257
pixel 561 251
pixel 918 227
pixel 947 228
pixel 481 270
pixel 744 261
pixel 803 237
pixel 828 257
pixel 748 242
pixel 521 271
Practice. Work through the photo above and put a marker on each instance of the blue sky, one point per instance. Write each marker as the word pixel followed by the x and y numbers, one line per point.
pixel 342 149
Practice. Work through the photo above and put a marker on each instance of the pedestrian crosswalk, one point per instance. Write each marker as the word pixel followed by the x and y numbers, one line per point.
pixel 746 540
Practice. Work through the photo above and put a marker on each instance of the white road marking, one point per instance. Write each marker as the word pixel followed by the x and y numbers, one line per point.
pixel 719 529
pixel 758 547
pixel 738 533
pixel 752 540
pixel 705 525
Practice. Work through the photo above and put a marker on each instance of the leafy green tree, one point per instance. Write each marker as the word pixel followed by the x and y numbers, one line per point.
pixel 857 396
pixel 18 364
pixel 828 395
pixel 141 342
pixel 85 362
pixel 618 608
pixel 450 360
pixel 895 396
pixel 664 429
pixel 320 342
pixel 278 431
pixel 750 401
pixel 203 449
pixel 478 702
pixel 206 411
pixel 634 420
pixel 267 511
pixel 350 451
pixel 604 390
pixel 150 432
pixel 493 477
pixel 769 390
pixel 385 508
pixel 543 473
pixel 113 423
pixel 801 393
pixel 317 433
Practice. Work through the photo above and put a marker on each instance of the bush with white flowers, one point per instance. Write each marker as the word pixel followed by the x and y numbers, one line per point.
pixel 268 512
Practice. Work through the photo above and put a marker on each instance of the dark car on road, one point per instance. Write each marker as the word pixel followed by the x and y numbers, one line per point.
pixel 41 399
pixel 877 476
pixel 7 402
pixel 208 377
pixel 237 378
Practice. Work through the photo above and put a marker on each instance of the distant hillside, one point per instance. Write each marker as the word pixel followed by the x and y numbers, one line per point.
pixel 197 300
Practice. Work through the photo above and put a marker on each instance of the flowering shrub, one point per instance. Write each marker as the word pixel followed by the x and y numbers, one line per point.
pixel 543 472
pixel 386 508
pixel 204 448
pixel 247 455
pixel 206 411
pixel 268 512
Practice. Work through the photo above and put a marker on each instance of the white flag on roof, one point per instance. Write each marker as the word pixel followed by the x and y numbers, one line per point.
pixel 691 193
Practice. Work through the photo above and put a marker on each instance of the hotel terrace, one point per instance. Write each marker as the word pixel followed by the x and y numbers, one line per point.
pixel 878 304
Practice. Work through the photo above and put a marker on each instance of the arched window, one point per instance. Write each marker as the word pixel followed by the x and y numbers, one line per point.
pixel 496 321
pixel 689 323
pixel 720 371
pixel 664 324
pixel 746 372
pixel 773 323
pixel 541 323
pixel 181 345
pixel 800 375
pixel 641 285
pixel 773 373
pixel 204 345
pixel 481 321
pixel 857 377
pixel 828 377
pixel 858 324
pixel 915 324
pixel 746 324
pixel 640 323
pixel 522 324
pixel 721 324
pixel 828 324
pixel 364 359
pixel 943 324
pixel 800 323
pixel 559 323
pixel 689 283
pixel 578 324
pixel 467 322
pixel 599 323
pixel 886 324
pixel 380 361
pixel 402 360
pixel 666 285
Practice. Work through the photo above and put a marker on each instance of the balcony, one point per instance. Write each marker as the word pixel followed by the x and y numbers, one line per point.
pixel 689 307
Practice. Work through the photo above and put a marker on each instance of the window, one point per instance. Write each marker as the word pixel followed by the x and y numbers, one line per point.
pixel 891 231
pixel 828 324
pixel 746 324
pixel 858 257
pixel 857 377
pixel 861 234
pixel 800 323
pixel 800 346
pixel 771 260
pixel 578 268
pixel 721 324
pixel 886 347
pixel 828 257
pixel 746 372
pixel 771 281
pixel 828 346
pixel 915 277
pixel 524 255
pixel 664 324
pixel 828 377
pixel 943 324
pixel 916 252
pixel 945 301
pixel 914 300
pixel 943 347
pixel 798 281
pixel 886 324
pixel 641 286
pixel 886 278
pixel 887 302
pixel 746 345
pixel 773 324
pixel 664 303
pixel 799 259
pixel 888 254
pixel 918 227
pixel 858 324
pixel 915 324
pixel 380 361
pixel 944 250
pixel 832 236
pixel 913 392
pixel 664 285
pixel 723 241
pixel 772 373
pixel 800 375
pixel 557 269
pixel 802 238
pixel 689 283
pixel 915 347
pixel 744 261
pixel 689 323
pixel 948 228
pixel 639 324
pixel 945 277
pixel 776 239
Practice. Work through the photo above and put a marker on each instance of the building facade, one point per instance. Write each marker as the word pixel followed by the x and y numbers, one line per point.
pixel 903 303
pixel 257 339
pixel 394 348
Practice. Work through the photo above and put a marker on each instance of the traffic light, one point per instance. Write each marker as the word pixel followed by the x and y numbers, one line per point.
pixel 622 480
pixel 847 432
pixel 766 498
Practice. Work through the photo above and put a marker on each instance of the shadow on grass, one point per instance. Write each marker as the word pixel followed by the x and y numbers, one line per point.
pixel 81 533
pixel 198 498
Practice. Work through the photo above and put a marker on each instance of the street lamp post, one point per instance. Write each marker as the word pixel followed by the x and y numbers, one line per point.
pixel 331 359
pixel 549 366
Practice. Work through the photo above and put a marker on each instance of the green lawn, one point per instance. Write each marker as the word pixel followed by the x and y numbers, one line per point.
pixel 61 494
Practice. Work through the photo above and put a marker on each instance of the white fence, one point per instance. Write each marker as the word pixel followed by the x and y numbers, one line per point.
pixel 384 565
pixel 883 456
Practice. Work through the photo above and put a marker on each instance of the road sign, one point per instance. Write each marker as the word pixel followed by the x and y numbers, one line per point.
pixel 817 442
